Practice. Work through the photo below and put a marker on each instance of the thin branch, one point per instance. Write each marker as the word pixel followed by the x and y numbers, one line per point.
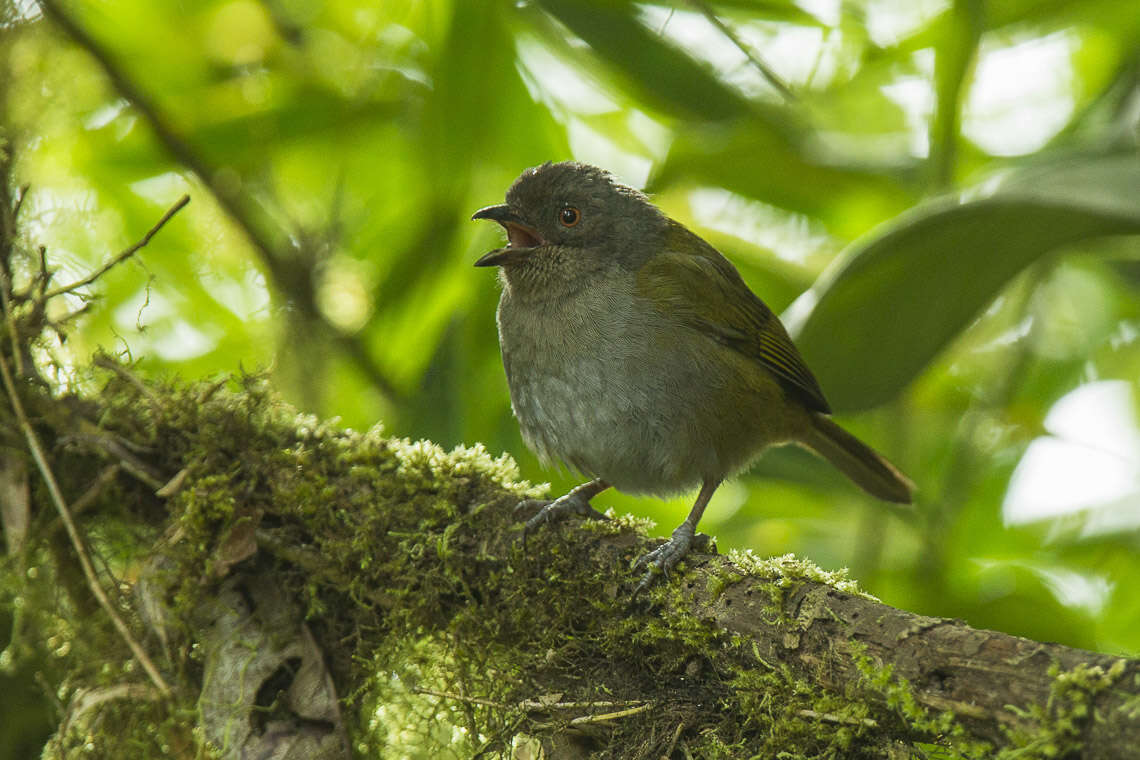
pixel 102 480
pixel 104 362
pixel 20 201
pixel 45 274
pixel 92 277
pixel 582 719
pixel 538 704
pixel 765 70
pixel 635 706
pixel 119 448
pixel 673 744
pixel 174 485
pixel 70 316
pixel 10 321
pixel 230 198
pixel 73 533
pixel 830 718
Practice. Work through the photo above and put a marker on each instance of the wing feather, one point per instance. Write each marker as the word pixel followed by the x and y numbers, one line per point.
pixel 692 281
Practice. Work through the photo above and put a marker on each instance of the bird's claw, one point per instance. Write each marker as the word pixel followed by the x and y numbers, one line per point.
pixel 528 504
pixel 662 559
pixel 570 504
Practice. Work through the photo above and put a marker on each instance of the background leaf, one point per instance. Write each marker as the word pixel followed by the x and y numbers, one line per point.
pixel 658 72
pixel 902 294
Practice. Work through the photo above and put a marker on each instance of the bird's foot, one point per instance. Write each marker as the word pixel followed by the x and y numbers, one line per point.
pixel 573 503
pixel 662 559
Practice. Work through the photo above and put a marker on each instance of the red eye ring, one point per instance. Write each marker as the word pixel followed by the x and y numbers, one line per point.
pixel 569 216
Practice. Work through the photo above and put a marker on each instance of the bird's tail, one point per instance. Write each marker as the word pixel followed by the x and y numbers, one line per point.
pixel 858 461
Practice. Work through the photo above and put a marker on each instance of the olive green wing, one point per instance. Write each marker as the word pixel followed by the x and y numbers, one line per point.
pixel 691 281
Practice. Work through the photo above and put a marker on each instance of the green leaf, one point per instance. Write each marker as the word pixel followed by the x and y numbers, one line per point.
pixel 659 72
pixel 767 159
pixel 782 11
pixel 900 296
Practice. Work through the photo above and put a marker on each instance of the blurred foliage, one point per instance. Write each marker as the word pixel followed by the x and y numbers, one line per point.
pixel 946 206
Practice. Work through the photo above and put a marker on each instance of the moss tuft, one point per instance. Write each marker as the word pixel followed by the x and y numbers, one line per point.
pixel 788 569
pixel 1055 729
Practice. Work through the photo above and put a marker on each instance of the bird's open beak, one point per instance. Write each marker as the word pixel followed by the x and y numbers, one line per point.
pixel 521 237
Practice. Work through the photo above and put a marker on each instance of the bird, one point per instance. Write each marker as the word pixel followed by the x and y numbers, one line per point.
pixel 636 355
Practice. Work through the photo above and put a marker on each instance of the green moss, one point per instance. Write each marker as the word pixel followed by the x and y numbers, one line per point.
pixel 1055 729
pixel 1130 708
pixel 123 720
pixel 800 721
pixel 617 524
pixel 788 569
pixel 720 581
pixel 945 731
pixel 1052 730
pixel 438 627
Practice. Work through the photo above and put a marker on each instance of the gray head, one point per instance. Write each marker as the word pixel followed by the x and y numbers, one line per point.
pixel 569 218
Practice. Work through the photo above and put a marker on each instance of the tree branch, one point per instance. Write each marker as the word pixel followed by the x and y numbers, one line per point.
pixel 405 562
pixel 991 681
pixel 123 256
pixel 229 196
pixel 764 69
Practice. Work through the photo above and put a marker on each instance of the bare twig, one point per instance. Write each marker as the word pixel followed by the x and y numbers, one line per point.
pixel 73 533
pixel 639 706
pixel 88 497
pixel 830 718
pixel 92 277
pixel 765 70
pixel 104 362
pixel 133 465
pixel 10 320
pixel 15 503
pixel 536 704
pixel 673 743
pixel 71 315
pixel 583 719
pixel 20 201
pixel 45 273
pixel 173 485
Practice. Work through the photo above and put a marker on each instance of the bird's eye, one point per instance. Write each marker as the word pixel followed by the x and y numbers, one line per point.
pixel 569 216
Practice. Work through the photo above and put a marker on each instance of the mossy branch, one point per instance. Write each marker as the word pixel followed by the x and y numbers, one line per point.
pixel 296 567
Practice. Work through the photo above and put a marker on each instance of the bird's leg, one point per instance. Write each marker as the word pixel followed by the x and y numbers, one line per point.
pixel 663 558
pixel 576 502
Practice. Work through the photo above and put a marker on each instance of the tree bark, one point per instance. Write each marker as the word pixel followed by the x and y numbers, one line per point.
pixel 314 592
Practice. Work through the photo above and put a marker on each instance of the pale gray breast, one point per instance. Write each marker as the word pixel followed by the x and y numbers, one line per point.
pixel 558 355
pixel 590 388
